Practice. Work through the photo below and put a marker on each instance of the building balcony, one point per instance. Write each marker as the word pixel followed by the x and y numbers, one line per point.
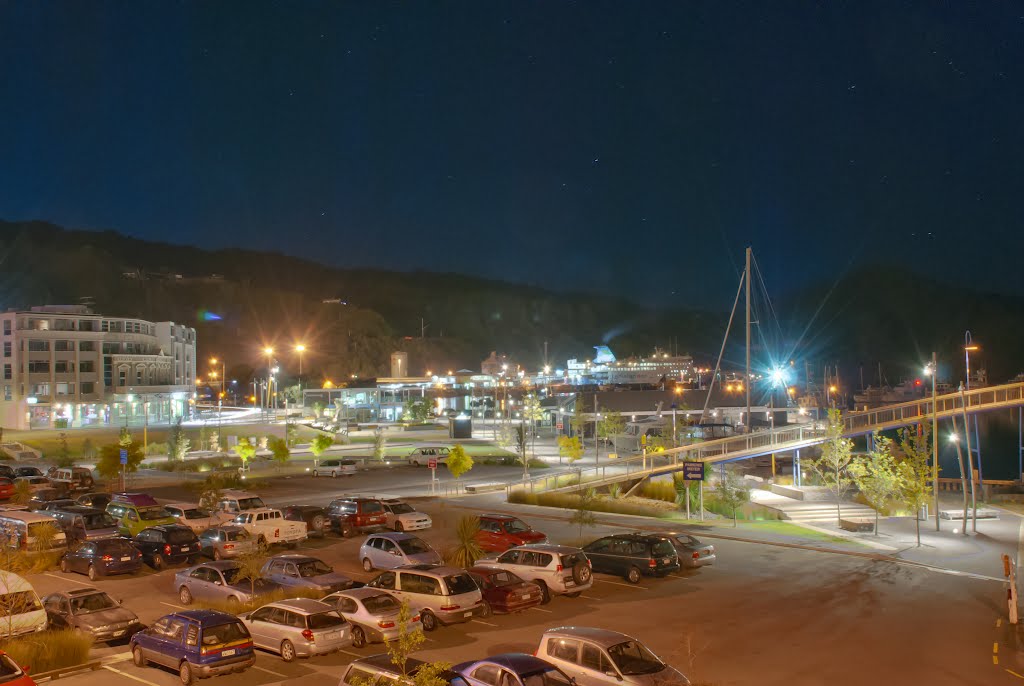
pixel 124 391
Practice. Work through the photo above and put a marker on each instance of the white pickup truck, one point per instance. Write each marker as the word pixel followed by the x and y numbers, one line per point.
pixel 269 527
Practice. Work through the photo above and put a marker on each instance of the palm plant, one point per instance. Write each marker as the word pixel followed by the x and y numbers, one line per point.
pixel 466 550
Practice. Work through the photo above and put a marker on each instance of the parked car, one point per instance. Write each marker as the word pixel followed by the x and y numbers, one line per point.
pixel 92 611
pixel 372 613
pixel 335 468
pixel 379 669
pixel 35 483
pixel 401 516
pixel 12 674
pixel 305 571
pixel 102 558
pixel 316 519
pixel 195 643
pixel 632 556
pixel 137 511
pixel 52 505
pixel 500 532
pixel 600 657
pixel 30 531
pixel 233 502
pixel 423 454
pixel 691 551
pixel 220 581
pixel 6 488
pixel 23 611
pixel 73 479
pixel 47 499
pixel 351 515
pixel 7 471
pixel 27 472
pixel 511 669
pixel 82 523
pixel 167 544
pixel 226 542
pixel 300 627
pixel 391 550
pixel 445 595
pixel 557 569
pixel 195 517
pixel 503 591
pixel 99 500
pixel 270 527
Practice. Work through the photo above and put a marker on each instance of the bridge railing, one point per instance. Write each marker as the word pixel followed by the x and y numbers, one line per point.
pixel 947 405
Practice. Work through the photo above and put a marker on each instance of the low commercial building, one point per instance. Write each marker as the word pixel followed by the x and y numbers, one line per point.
pixel 65 366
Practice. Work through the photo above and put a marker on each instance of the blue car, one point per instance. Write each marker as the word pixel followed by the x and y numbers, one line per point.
pixel 195 643
pixel 511 669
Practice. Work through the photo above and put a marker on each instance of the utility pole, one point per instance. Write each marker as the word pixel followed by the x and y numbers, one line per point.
pixel 935 441
pixel 970 463
pixel 746 381
pixel 597 443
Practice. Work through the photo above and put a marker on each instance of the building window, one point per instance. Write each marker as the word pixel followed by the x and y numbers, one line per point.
pixel 38 346
pixel 64 346
pixel 85 325
pixel 63 367
pixel 38 367
pixel 7 327
pixel 7 372
pixel 7 392
pixel 88 388
pixel 122 377
pixel 41 389
pixel 87 346
pixel 7 348
pixel 65 388
pixel 87 366
pixel 138 376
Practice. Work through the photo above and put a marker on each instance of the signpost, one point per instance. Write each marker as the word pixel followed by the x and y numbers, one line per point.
pixel 694 471
pixel 432 463
pixel 124 462
pixel 558 426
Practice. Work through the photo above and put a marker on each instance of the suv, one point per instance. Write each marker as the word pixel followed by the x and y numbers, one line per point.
pixel 137 511
pixel 556 569
pixel 170 543
pixel 335 468
pixel 500 532
pixel 444 595
pixel 599 657
pixel 196 643
pixel 73 479
pixel 633 555
pixel 352 515
pixel 234 502
pixel 314 516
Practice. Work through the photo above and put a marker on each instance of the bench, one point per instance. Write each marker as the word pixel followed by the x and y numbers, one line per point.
pixel 857 525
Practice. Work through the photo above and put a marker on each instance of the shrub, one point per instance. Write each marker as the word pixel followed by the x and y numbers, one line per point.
pixel 49 650
pixel 466 550
pixel 658 490
pixel 157 449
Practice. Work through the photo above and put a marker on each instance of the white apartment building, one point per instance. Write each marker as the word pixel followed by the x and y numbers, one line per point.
pixel 64 366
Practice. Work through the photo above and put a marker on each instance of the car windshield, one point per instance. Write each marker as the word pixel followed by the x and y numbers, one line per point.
pixel 460 583
pixel 237 535
pixel 100 520
pixel 687 540
pixel 153 513
pixel 250 503
pixel 379 604
pixel 195 514
pixel 325 620
pixel 93 602
pixel 504 579
pixel 632 657
pixel 401 508
pixel 9 669
pixel 413 546
pixel 179 537
pixel 663 549
pixel 231 574
pixel 313 568
pixel 224 633
pixel 19 602
pixel 546 677
pixel 114 547
pixel 515 526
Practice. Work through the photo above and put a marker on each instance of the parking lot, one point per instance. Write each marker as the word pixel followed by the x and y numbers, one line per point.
pixel 761 614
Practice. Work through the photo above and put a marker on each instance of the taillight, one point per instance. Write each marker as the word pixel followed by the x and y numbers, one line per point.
pixel 229 546
pixel 308 635
pixel 559 568
pixel 167 549
pixel 696 556
pixel 107 558
pixel 416 618
pixel 390 625
pixel 652 563
pixel 449 608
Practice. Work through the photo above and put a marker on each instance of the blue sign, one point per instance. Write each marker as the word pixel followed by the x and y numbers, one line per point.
pixel 693 471
pixel 124 456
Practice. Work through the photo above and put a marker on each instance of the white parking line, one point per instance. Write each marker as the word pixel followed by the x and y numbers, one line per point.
pixel 64 578
pixel 277 674
pixel 619 583
pixel 349 652
pixel 677 576
pixel 538 609
pixel 173 605
pixel 130 676
pixel 589 597
pixel 477 621
pixel 119 657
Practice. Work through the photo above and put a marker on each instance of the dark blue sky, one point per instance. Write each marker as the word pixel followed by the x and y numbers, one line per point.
pixel 625 147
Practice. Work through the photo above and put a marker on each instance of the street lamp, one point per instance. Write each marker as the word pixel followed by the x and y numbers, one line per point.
pixel 269 352
pixel 932 370
pixel 969 347
pixel 300 348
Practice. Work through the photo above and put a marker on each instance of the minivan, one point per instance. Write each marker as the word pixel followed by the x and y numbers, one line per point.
pixel 23 611
pixel 445 595
pixel 30 531
pixel 81 523
pixel 335 468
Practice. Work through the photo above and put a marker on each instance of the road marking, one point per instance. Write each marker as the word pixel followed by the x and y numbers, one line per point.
pixel 477 621
pixel 1014 673
pixel 589 597
pixel 539 609
pixel 995 659
pixel 349 652
pixel 999 622
pixel 173 605
pixel 619 583
pixel 119 657
pixel 677 576
pixel 64 578
pixel 130 676
pixel 995 647
pixel 269 672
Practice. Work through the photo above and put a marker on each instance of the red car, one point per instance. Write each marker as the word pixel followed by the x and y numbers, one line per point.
pixel 503 591
pixel 6 490
pixel 353 515
pixel 11 674
pixel 499 532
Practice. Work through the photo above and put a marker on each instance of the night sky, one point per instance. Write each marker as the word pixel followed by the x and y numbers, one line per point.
pixel 631 148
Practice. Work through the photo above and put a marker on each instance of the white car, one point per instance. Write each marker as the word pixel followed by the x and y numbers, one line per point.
pixel 196 518
pixel 269 526
pixel 402 517
pixel 557 569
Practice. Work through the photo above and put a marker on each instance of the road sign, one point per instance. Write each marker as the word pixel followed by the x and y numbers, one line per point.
pixel 124 456
pixel 693 471
pixel 432 463
pixel 558 426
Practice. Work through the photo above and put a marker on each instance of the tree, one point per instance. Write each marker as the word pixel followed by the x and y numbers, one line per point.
pixel 245 451
pixel 279 450
pixel 88 449
pixel 610 425
pixel 876 476
pixel 578 421
pixel 582 514
pixel 177 442
pixel 835 458
pixel 406 642
pixel 467 551
pixel 914 472
pixel 124 437
pixel 318 409
pixel 22 492
pixel 109 463
pixel 380 443
pixel 204 437
pixel 732 493
pixel 250 567
pixel 416 410
pixel 291 434
pixel 521 441
pixel 459 461
pixel 533 413
pixel 319 444
pixel 215 441
pixel 570 447
pixel 64 458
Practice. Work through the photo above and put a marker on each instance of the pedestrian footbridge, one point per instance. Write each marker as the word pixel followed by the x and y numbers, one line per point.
pixel 783 439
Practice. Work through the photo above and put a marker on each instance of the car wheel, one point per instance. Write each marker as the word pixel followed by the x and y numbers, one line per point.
pixel 334 474
pixel 318 524
pixel 399 527
pixel 545 594
pixel 346 531
pixel 94 573
pixel 233 604
pixel 137 657
pixel 358 637
pixel 185 595
pixel 415 463
pixel 158 562
pixel 316 473
pixel 185 673
pixel 287 651
pixel 633 575
pixel 581 573
pixel 216 554
pixel 64 566
pixel 367 565
pixel 261 541
pixel 486 610
pixel 428 620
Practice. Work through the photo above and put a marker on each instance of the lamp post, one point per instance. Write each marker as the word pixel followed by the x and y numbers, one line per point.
pixel 299 349
pixel 932 370
pixel 969 347
pixel 269 352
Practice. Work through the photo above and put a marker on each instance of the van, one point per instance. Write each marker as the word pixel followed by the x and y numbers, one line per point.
pixel 22 529
pixel 425 453
pixel 335 468
pixel 82 523
pixel 22 611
